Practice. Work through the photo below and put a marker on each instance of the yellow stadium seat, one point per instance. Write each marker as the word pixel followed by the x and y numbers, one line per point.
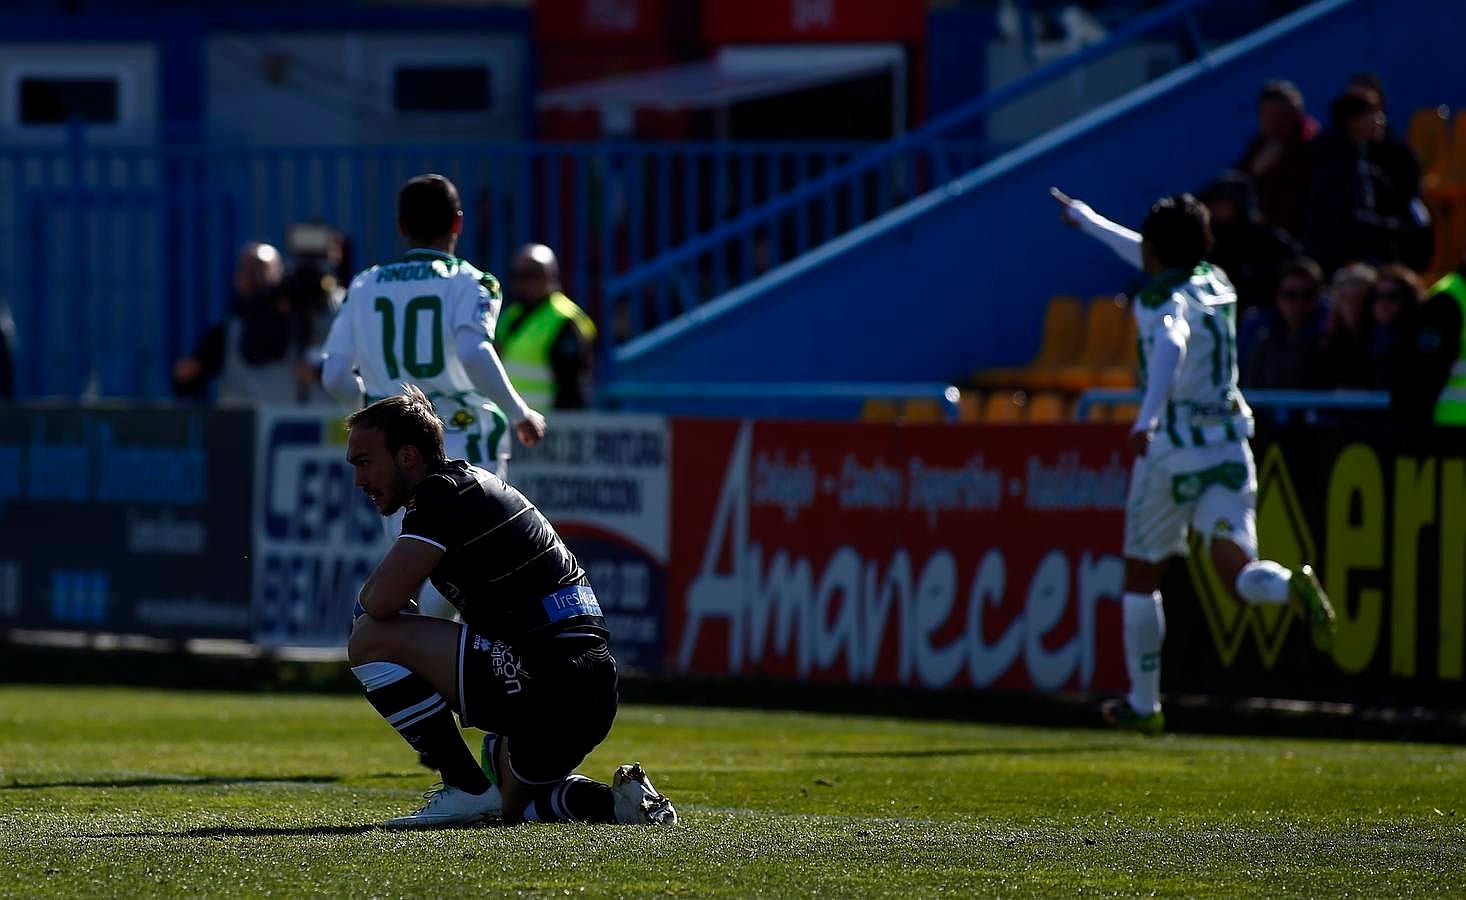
pixel 1450 236
pixel 879 409
pixel 1063 330
pixel 1452 172
pixel 1428 138
pixel 969 407
pixel 923 409
pixel 1048 406
pixel 1005 406
pixel 1124 412
pixel 1107 330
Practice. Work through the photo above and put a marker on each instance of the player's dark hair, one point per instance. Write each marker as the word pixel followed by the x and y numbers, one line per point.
pixel 1178 231
pixel 427 207
pixel 406 420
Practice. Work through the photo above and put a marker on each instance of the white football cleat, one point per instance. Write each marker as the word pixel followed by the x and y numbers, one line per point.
pixel 637 802
pixel 449 807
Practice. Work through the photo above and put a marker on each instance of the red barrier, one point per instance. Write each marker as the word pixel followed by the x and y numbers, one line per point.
pixel 801 21
pixel 938 556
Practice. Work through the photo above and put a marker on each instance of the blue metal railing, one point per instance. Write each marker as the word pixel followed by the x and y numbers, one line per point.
pixel 1282 403
pixel 114 259
pixel 850 194
pixel 772 397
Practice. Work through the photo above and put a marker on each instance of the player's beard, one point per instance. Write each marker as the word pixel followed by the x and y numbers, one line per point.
pixel 401 489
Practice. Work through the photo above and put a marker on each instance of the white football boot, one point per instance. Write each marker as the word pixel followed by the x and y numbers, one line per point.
pixel 637 802
pixel 449 807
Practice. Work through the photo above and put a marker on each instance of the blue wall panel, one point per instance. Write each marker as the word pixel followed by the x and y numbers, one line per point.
pixel 957 280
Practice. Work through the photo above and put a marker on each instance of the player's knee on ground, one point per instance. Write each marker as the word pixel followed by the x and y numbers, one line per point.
pixel 516 794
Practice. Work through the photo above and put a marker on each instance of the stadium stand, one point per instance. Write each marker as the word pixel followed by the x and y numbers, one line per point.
pixel 1063 337
pixel 1005 406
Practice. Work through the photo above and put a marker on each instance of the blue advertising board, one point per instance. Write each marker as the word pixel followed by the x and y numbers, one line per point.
pixel 126 520
pixel 316 537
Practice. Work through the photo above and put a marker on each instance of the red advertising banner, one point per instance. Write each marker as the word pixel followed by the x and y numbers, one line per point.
pixel 934 556
pixel 798 21
pixel 614 23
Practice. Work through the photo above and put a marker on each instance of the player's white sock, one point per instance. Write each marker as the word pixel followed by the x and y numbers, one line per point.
pixel 1145 629
pixel 1263 581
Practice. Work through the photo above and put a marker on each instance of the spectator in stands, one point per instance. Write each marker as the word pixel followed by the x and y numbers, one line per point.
pixel 1277 159
pixel 1247 249
pixel 1368 84
pixel 1346 339
pixel 1287 347
pixel 546 341
pixel 257 354
pixel 1364 195
pixel 1428 389
pixel 1393 309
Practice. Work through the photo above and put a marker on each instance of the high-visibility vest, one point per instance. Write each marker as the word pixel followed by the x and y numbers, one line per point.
pixel 1450 408
pixel 526 339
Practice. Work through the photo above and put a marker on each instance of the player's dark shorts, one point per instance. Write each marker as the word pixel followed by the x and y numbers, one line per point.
pixel 554 700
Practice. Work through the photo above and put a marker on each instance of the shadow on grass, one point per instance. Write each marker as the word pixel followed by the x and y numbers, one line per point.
pixel 937 752
pixel 226 832
pixel 166 781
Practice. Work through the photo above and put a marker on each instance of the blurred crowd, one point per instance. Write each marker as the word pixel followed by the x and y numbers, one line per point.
pixel 1325 233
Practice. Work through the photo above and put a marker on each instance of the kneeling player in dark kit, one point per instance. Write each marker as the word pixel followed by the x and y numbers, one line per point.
pixel 530 665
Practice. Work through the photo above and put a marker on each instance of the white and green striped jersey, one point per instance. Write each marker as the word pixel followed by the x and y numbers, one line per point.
pixel 1199 307
pixel 399 322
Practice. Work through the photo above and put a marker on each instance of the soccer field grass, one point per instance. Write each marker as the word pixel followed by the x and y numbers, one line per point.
pixel 126 792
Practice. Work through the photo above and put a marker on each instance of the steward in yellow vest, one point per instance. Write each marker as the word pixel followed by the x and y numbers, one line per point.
pixel 547 343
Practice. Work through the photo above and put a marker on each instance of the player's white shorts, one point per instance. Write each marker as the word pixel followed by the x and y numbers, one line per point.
pixel 1174 490
pixel 477 432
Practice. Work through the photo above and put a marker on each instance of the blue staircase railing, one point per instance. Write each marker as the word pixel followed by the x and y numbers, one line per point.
pixel 847 195
pixel 114 258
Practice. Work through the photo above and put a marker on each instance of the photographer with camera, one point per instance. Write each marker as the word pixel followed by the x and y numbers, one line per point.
pixel 268 351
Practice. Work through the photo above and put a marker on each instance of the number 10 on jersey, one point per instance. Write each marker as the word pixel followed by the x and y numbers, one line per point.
pixel 412 315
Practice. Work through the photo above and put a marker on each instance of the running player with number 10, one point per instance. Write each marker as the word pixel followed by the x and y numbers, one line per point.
pixel 428 319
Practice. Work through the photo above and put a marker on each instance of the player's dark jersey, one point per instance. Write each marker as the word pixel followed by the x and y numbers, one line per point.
pixel 503 565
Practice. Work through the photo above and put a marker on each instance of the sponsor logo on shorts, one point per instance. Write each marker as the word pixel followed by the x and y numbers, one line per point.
pixel 508 668
pixel 460 420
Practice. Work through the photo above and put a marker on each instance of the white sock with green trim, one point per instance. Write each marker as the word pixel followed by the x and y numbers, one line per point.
pixel 1145 629
pixel 1263 582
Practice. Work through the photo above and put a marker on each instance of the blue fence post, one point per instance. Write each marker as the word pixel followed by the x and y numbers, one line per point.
pixel 664 207
pixel 580 190
pixel 189 296
pixel 773 162
pixel 75 191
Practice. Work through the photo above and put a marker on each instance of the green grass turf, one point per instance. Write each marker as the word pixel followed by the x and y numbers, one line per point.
pixel 126 792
